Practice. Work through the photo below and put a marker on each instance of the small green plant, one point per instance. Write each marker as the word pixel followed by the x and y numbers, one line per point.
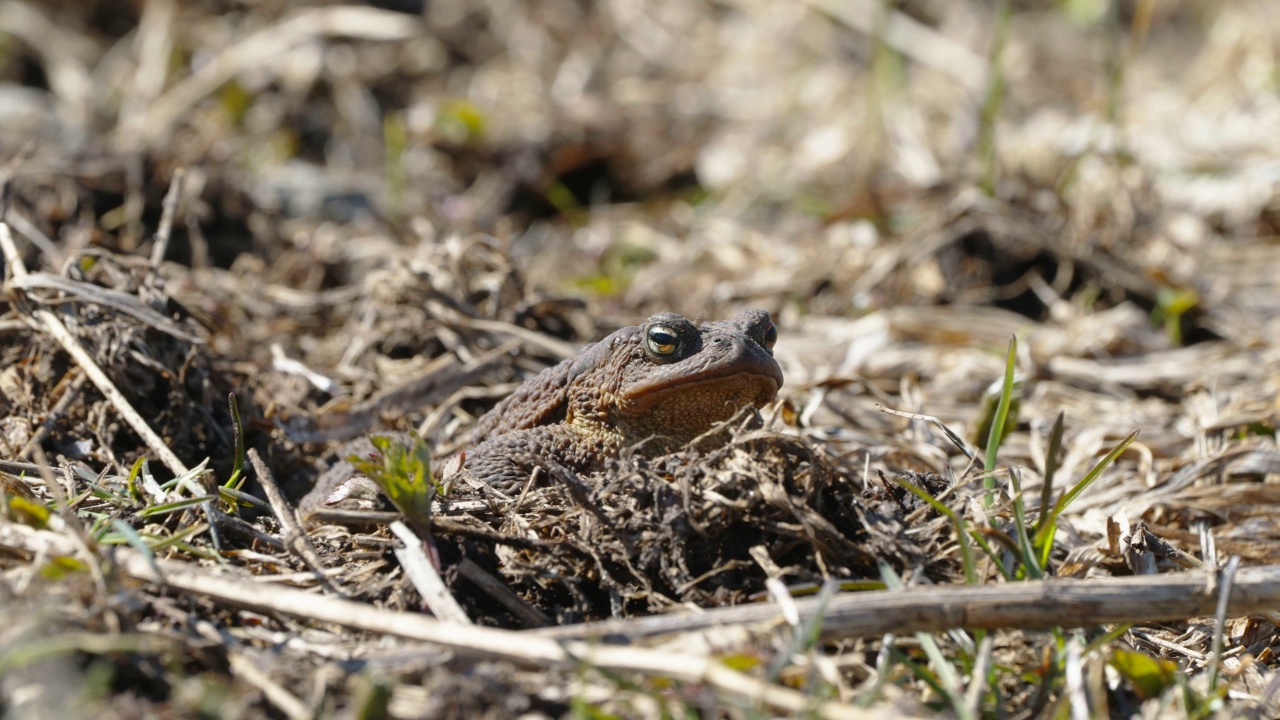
pixel 1047 526
pixel 461 122
pixel 1019 548
pixel 372 698
pixel 27 512
pixel 404 475
pixel 1171 305
pixel 1149 677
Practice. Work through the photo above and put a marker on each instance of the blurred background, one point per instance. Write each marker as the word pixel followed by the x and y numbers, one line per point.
pixel 660 153
pixel 362 180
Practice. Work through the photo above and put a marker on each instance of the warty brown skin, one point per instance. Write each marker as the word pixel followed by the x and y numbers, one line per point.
pixel 655 386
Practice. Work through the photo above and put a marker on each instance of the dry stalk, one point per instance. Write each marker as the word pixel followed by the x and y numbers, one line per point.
pixel 913 39
pixel 294 538
pixel 282 699
pixel 1031 604
pixel 1052 603
pixel 422 573
pixel 170 209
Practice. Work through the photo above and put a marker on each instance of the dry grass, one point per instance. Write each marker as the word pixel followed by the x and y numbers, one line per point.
pixel 386 220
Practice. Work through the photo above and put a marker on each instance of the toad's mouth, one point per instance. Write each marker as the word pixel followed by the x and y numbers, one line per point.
pixel 683 406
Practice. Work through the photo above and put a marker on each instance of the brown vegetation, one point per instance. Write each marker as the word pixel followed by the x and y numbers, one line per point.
pixel 239 239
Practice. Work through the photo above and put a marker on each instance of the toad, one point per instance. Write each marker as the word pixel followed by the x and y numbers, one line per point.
pixel 656 386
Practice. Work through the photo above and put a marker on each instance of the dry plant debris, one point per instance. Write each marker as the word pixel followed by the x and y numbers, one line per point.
pixel 241 239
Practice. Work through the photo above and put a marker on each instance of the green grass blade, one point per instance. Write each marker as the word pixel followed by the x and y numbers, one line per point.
pixel 240 497
pixel 1044 538
pixel 811 629
pixel 26 653
pixel 237 428
pixel 132 482
pixel 944 679
pixel 997 423
pixel 1105 639
pixel 135 541
pixel 101 493
pixel 179 538
pixel 176 505
pixel 1220 622
pixel 1051 467
pixel 1025 548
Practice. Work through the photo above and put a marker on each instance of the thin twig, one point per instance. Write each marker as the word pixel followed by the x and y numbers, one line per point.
pixel 88 292
pixel 439 379
pixel 558 348
pixel 528 615
pixel 295 539
pixel 68 396
pixel 951 434
pixel 913 39
pixel 282 699
pixel 169 210
pixel 27 229
pixel 1032 604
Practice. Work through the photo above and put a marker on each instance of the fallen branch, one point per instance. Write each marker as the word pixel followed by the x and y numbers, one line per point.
pixel 1031 604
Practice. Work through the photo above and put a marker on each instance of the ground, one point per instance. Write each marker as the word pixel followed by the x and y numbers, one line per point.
pixel 241 239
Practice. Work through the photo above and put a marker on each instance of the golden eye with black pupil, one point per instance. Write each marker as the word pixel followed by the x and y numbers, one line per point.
pixel 770 336
pixel 661 340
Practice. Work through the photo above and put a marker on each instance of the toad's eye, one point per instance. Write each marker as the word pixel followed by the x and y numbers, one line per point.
pixel 770 336
pixel 662 341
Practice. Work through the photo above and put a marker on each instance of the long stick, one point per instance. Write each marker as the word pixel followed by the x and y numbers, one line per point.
pixel 1032 604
